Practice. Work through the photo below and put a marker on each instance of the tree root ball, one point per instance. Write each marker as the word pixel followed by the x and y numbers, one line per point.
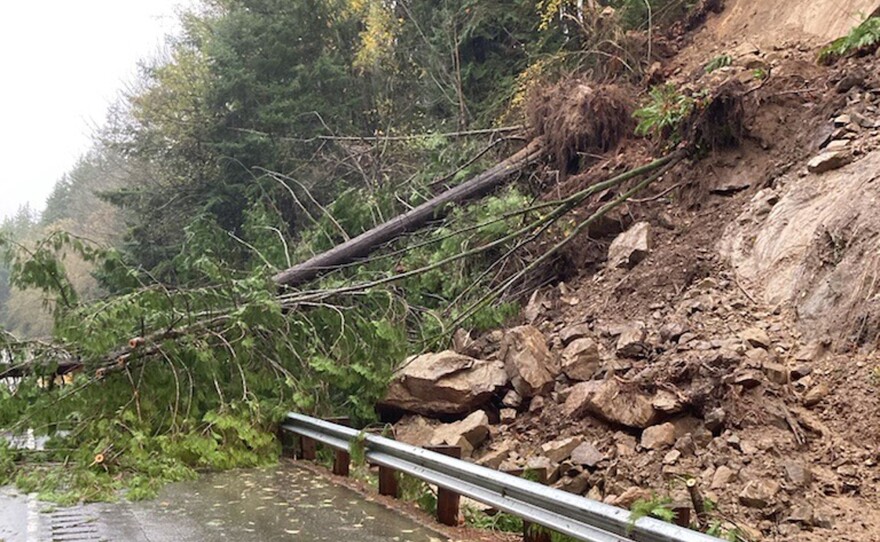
pixel 576 119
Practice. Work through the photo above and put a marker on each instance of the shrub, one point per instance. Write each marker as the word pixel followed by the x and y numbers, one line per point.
pixel 863 38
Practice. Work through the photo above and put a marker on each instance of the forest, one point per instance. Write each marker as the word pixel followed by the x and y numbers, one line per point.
pixel 271 131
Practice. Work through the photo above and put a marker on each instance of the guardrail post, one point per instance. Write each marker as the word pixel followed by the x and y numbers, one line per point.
pixel 447 501
pixel 532 532
pixel 341 458
pixel 308 448
pixel 388 482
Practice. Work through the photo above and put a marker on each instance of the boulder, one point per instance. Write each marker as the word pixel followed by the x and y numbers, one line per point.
pixel 414 430
pixel 580 359
pixel 631 342
pixel 797 474
pixel 612 402
pixel 658 437
pixel 494 458
pixel 507 415
pixel 468 433
pixel 444 383
pixel 631 246
pixel 527 360
pixel 558 451
pixel 511 399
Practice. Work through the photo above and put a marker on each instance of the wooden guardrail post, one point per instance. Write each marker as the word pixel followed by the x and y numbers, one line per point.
pixel 341 458
pixel 447 501
pixel 388 482
pixel 308 448
pixel 532 532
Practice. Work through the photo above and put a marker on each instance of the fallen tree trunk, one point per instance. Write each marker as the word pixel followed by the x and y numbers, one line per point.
pixel 370 240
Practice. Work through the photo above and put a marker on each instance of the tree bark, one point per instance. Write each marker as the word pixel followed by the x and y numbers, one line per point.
pixel 370 240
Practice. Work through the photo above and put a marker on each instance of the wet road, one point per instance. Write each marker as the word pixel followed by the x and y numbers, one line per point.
pixel 282 503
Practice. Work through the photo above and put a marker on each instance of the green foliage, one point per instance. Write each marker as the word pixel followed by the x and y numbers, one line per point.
pixel 720 61
pixel 666 109
pixel 499 521
pixel 864 37
pixel 658 507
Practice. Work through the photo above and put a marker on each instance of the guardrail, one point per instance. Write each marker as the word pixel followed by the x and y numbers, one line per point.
pixel 557 510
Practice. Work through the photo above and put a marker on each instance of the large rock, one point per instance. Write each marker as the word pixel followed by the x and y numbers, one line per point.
pixel 444 383
pixel 586 454
pixel 527 360
pixel 611 401
pixel 580 359
pixel 414 430
pixel 560 450
pixel 631 246
pixel 468 433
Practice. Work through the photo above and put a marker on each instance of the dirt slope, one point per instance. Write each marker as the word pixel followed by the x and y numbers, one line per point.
pixel 774 22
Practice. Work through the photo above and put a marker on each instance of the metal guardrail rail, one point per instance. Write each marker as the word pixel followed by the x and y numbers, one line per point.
pixel 572 515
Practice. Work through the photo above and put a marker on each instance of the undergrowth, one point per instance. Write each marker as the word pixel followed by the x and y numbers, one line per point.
pixel 666 110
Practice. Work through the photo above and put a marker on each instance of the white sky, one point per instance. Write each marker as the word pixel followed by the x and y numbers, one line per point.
pixel 62 63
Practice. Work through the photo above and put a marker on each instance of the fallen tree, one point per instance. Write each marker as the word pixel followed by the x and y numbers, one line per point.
pixel 436 207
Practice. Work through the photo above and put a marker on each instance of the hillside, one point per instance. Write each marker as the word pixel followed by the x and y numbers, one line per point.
pixel 643 258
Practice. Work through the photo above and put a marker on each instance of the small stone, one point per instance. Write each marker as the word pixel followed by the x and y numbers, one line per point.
pixel 461 341
pixel 631 343
pixel 801 513
pixel 842 120
pixel 800 371
pixel 658 437
pixel 631 495
pixel 559 450
pixel 723 477
pixel 686 445
pixel 828 161
pixel 815 395
pixel 776 373
pixel 747 379
pixel 541 462
pixel 667 402
pixel 715 420
pixel 672 331
pixel 837 145
pixel 631 246
pixel 671 457
pixel 580 359
pixel 512 399
pixel 576 484
pixel 758 493
pixel 797 474
pixel 573 333
pixel 756 337
pixel 586 454
pixel 495 458
pixel 507 415
pixel 536 404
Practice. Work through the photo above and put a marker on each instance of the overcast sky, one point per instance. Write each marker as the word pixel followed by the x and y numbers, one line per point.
pixel 62 63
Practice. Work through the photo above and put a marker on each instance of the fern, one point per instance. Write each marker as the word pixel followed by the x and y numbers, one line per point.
pixel 656 507
pixel 863 37
pixel 664 113
pixel 721 61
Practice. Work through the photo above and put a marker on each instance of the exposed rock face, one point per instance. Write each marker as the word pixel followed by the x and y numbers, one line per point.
pixel 783 252
pixel 631 246
pixel 611 402
pixel 527 360
pixel 580 359
pixel 444 383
